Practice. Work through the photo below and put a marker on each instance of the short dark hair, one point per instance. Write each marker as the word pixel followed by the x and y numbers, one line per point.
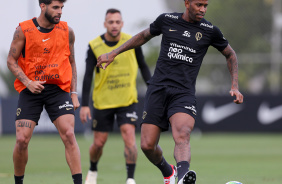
pixel 50 1
pixel 113 10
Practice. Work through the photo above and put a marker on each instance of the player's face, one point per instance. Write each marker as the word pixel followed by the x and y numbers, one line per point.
pixel 113 23
pixel 53 12
pixel 197 9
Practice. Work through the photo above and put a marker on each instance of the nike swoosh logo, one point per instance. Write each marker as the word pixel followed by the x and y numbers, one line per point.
pixel 267 115
pixel 213 115
pixel 45 40
pixel 172 30
pixel 68 109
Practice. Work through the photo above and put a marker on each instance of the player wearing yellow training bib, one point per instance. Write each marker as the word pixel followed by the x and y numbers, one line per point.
pixel 119 82
pixel 114 95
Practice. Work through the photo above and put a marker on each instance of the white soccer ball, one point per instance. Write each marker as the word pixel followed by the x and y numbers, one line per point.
pixel 234 182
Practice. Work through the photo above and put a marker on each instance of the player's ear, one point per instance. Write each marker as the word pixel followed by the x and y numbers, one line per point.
pixel 187 3
pixel 42 6
pixel 105 26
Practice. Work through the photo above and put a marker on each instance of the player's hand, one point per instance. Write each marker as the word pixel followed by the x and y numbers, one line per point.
pixel 36 87
pixel 238 95
pixel 107 58
pixel 85 114
pixel 75 101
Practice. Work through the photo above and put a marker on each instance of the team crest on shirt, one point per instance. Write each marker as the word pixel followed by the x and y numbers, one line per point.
pixel 198 36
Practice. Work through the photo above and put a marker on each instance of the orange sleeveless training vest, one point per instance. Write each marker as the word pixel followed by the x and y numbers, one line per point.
pixel 46 56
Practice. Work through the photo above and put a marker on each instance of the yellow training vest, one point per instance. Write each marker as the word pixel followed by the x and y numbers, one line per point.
pixel 116 86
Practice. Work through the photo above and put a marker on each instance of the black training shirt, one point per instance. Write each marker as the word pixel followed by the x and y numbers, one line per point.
pixel 183 48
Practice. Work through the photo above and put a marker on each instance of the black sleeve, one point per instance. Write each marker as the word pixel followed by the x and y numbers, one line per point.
pixel 145 72
pixel 91 62
pixel 156 26
pixel 218 40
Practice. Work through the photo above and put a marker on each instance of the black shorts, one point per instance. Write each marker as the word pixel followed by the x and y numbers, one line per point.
pixel 56 102
pixel 161 102
pixel 103 120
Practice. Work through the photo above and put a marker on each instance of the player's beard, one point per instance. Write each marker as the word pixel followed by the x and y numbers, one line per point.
pixel 114 35
pixel 50 18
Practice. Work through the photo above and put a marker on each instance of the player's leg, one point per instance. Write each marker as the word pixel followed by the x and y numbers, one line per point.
pixel 65 127
pixel 102 124
pixel 24 130
pixel 126 120
pixel 154 122
pixel 150 135
pixel 59 107
pixel 96 148
pixel 95 153
pixel 29 109
pixel 182 125
pixel 182 114
pixel 130 150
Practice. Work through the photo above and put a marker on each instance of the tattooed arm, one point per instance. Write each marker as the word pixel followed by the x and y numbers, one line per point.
pixel 232 64
pixel 16 48
pixel 136 41
pixel 74 97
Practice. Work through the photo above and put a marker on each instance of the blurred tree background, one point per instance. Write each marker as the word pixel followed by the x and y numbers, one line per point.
pixel 248 26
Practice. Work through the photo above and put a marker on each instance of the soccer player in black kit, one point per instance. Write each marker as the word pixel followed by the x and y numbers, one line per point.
pixel 170 98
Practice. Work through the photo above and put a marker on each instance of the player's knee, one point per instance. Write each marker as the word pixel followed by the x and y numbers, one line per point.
pixel 22 142
pixel 99 144
pixel 129 140
pixel 147 147
pixel 183 136
pixel 70 137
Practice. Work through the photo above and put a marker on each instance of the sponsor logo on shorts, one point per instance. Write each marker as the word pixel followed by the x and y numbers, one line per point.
pixel 19 110
pixel 68 109
pixel 192 108
pixel 144 114
pixel 133 116
pixel 67 105
pixel 94 123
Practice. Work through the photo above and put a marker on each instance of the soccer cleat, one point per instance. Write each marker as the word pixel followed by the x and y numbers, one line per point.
pixel 130 181
pixel 171 178
pixel 91 177
pixel 188 178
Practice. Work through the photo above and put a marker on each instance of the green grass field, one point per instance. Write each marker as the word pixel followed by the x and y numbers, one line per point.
pixel 217 158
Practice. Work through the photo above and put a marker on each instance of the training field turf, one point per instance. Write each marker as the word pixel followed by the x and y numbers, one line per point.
pixel 217 158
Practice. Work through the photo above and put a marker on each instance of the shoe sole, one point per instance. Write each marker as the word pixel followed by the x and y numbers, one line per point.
pixel 189 177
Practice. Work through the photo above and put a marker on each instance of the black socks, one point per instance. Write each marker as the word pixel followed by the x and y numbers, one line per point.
pixel 93 166
pixel 19 179
pixel 130 168
pixel 182 169
pixel 165 168
pixel 77 178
